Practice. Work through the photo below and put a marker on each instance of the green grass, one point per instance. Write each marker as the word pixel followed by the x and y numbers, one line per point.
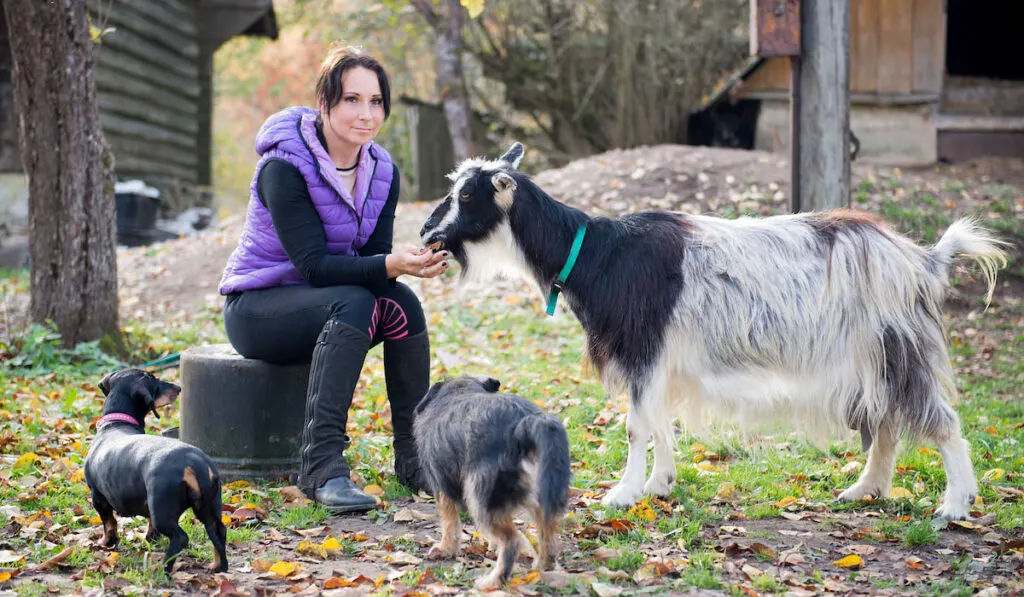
pixel 540 359
pixel 920 533
pixel 301 517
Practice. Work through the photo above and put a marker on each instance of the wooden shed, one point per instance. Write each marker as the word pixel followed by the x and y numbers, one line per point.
pixel 929 80
pixel 154 86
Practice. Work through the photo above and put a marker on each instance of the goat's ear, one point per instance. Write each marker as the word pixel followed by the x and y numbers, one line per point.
pixel 514 154
pixel 505 189
pixel 503 181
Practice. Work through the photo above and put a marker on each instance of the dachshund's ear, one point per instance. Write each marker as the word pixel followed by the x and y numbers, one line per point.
pixel 491 385
pixel 168 394
pixel 105 383
pixel 143 398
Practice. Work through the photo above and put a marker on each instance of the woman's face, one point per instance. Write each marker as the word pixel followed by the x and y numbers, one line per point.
pixel 356 119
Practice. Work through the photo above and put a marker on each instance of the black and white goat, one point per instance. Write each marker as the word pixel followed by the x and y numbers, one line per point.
pixel 828 320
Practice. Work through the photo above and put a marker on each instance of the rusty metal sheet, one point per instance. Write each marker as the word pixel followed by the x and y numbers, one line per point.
pixel 774 28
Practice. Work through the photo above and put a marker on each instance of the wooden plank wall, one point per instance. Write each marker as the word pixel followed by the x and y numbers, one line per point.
pixel 897 48
pixel 147 81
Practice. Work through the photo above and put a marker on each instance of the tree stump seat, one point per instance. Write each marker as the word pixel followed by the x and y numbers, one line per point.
pixel 246 414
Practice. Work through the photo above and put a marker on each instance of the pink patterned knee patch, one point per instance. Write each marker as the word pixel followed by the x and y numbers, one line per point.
pixel 388 321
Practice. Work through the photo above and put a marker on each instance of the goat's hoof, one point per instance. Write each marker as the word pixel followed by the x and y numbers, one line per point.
pixel 859 491
pixel 950 511
pixel 658 486
pixel 620 496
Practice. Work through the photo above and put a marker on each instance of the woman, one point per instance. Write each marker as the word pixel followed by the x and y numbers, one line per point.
pixel 313 278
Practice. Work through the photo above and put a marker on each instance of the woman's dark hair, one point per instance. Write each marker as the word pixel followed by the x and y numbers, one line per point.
pixel 338 60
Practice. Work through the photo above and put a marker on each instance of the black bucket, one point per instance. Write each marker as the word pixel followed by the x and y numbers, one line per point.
pixel 136 218
pixel 247 415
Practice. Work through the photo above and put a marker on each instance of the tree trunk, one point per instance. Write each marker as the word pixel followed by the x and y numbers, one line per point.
pixel 70 169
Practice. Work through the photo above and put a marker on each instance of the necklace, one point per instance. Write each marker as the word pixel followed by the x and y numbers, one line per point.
pixel 350 168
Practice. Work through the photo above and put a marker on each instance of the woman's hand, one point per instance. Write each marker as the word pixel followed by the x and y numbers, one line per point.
pixel 416 261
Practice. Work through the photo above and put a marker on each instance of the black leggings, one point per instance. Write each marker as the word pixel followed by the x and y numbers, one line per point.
pixel 280 325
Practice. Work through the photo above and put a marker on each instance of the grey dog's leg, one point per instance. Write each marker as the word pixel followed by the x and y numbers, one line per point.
pixel 451 527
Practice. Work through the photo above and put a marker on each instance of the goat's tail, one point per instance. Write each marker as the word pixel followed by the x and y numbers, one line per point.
pixel 545 434
pixel 966 237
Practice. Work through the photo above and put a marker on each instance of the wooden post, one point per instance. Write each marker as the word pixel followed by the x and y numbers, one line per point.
pixel 820 108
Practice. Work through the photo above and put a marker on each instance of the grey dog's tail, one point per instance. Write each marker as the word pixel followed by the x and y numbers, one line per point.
pixel 544 434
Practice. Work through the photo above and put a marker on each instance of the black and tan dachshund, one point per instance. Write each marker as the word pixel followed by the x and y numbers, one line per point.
pixel 134 474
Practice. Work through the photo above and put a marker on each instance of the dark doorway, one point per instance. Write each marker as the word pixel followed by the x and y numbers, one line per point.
pixel 983 38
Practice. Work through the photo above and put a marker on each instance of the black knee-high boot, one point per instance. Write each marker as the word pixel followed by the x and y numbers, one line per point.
pixel 407 375
pixel 337 362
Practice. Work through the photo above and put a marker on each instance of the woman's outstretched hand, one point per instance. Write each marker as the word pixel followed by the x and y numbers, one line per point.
pixel 416 261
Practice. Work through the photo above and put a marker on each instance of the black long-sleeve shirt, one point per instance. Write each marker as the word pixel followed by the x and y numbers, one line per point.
pixel 284 192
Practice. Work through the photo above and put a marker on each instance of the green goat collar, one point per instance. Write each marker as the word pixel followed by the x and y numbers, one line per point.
pixel 559 283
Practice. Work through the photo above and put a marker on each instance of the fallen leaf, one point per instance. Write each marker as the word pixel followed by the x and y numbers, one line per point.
pixel 993 474
pixel 53 561
pixel 241 484
pixel 651 570
pixel 763 550
pixel 292 494
pixel 900 493
pixel 400 558
pixel 643 511
pixel 410 515
pixel 608 527
pixel 785 501
pixel 336 582
pixel 283 569
pixel 531 578
pixel 605 590
pixel 374 490
pixel 862 550
pixel 225 589
pixel 331 543
pixel 914 563
pixel 250 512
pixel 603 554
pixel 26 460
pixel 308 548
pixel 850 561
pixel 8 557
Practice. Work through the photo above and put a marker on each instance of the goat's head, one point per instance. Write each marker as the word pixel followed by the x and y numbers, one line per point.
pixel 477 205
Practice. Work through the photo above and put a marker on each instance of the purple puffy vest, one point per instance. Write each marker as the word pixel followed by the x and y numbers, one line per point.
pixel 259 260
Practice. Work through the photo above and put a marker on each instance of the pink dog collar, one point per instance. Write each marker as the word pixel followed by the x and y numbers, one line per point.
pixel 112 417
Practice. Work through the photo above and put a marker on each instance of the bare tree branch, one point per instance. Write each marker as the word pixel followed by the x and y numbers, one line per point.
pixel 424 8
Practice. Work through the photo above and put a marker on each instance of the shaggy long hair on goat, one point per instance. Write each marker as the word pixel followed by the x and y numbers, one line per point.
pixel 830 321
